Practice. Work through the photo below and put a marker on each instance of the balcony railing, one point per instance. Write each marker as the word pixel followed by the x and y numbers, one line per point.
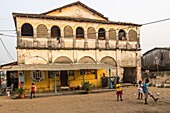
pixel 54 43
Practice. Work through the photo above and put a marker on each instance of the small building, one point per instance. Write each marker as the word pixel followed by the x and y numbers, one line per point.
pixel 156 59
pixel 73 43
pixel 156 65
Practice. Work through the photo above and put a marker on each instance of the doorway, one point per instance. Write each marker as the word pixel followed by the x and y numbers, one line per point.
pixel 64 78
pixel 129 75
pixel 12 78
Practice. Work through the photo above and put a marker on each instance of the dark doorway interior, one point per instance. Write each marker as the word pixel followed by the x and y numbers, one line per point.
pixel 64 78
pixel 129 75
pixel 12 78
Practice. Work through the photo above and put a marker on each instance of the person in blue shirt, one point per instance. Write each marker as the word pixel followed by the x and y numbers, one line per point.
pixel 146 92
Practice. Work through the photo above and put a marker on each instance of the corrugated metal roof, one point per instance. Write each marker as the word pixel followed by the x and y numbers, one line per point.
pixel 55 67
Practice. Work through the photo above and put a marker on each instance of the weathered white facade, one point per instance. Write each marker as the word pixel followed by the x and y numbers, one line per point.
pixel 76 33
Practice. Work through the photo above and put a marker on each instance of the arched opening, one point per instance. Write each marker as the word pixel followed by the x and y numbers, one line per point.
pixel 42 31
pixel 101 34
pixel 132 35
pixel 63 60
pixel 55 32
pixel 91 33
pixel 122 35
pixel 68 32
pixel 112 34
pixel 26 30
pixel 86 59
pixel 108 60
pixel 79 32
pixel 37 60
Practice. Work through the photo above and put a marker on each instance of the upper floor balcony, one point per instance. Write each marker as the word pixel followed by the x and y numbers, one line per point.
pixel 73 43
pixel 78 38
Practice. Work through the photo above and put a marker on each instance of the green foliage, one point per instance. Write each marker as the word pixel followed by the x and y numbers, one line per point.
pixel 20 91
pixel 87 86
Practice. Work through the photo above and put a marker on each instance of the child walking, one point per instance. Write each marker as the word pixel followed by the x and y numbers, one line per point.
pixel 146 92
pixel 140 90
pixel 33 89
pixel 119 91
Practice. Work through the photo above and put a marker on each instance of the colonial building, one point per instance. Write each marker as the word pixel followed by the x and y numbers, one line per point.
pixel 73 43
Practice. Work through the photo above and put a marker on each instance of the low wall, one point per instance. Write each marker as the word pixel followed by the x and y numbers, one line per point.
pixel 160 77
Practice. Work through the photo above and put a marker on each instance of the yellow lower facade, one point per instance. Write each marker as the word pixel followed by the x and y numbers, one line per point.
pixel 73 80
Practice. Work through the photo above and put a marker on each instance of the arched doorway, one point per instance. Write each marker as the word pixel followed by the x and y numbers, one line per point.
pixel 64 73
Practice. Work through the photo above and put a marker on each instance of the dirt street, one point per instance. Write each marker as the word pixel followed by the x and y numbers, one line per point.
pixel 90 103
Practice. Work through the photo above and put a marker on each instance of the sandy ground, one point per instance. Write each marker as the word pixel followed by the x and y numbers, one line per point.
pixel 92 103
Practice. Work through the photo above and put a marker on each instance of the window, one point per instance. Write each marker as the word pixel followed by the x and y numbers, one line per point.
pixel 79 32
pixel 26 30
pixel 55 32
pixel 122 35
pixel 68 32
pixel 42 31
pixel 112 34
pixel 101 34
pixel 91 33
pixel 132 35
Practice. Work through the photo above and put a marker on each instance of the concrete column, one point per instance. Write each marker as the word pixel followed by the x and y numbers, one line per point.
pixel 49 33
pixel 55 83
pixel 138 66
pixel 85 39
pixel 117 39
pixel 97 56
pixel 74 38
pixel 61 40
pixel 110 80
pixel 127 37
pixel 107 39
pixel 22 77
pixel 138 73
pixel 35 32
pixel 19 32
pixel 106 35
pixel 19 57
pixel 62 32
pixel 50 60
pixel 75 59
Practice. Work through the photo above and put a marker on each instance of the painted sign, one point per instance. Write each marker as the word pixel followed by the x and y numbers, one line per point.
pixel 37 76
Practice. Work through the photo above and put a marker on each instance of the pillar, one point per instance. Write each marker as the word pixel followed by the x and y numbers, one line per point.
pixel 110 80
pixel 55 84
pixel 138 66
pixel 21 79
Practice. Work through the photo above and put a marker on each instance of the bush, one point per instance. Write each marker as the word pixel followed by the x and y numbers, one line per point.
pixel 20 91
pixel 87 86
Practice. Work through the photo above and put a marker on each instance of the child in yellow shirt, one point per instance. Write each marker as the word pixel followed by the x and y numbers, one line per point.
pixel 119 91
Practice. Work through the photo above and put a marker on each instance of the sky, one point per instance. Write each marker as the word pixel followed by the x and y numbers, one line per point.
pixel 134 11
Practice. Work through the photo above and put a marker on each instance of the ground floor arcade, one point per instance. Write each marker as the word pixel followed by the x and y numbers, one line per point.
pixel 67 76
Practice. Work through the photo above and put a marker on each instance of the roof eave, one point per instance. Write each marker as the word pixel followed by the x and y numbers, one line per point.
pixel 69 18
